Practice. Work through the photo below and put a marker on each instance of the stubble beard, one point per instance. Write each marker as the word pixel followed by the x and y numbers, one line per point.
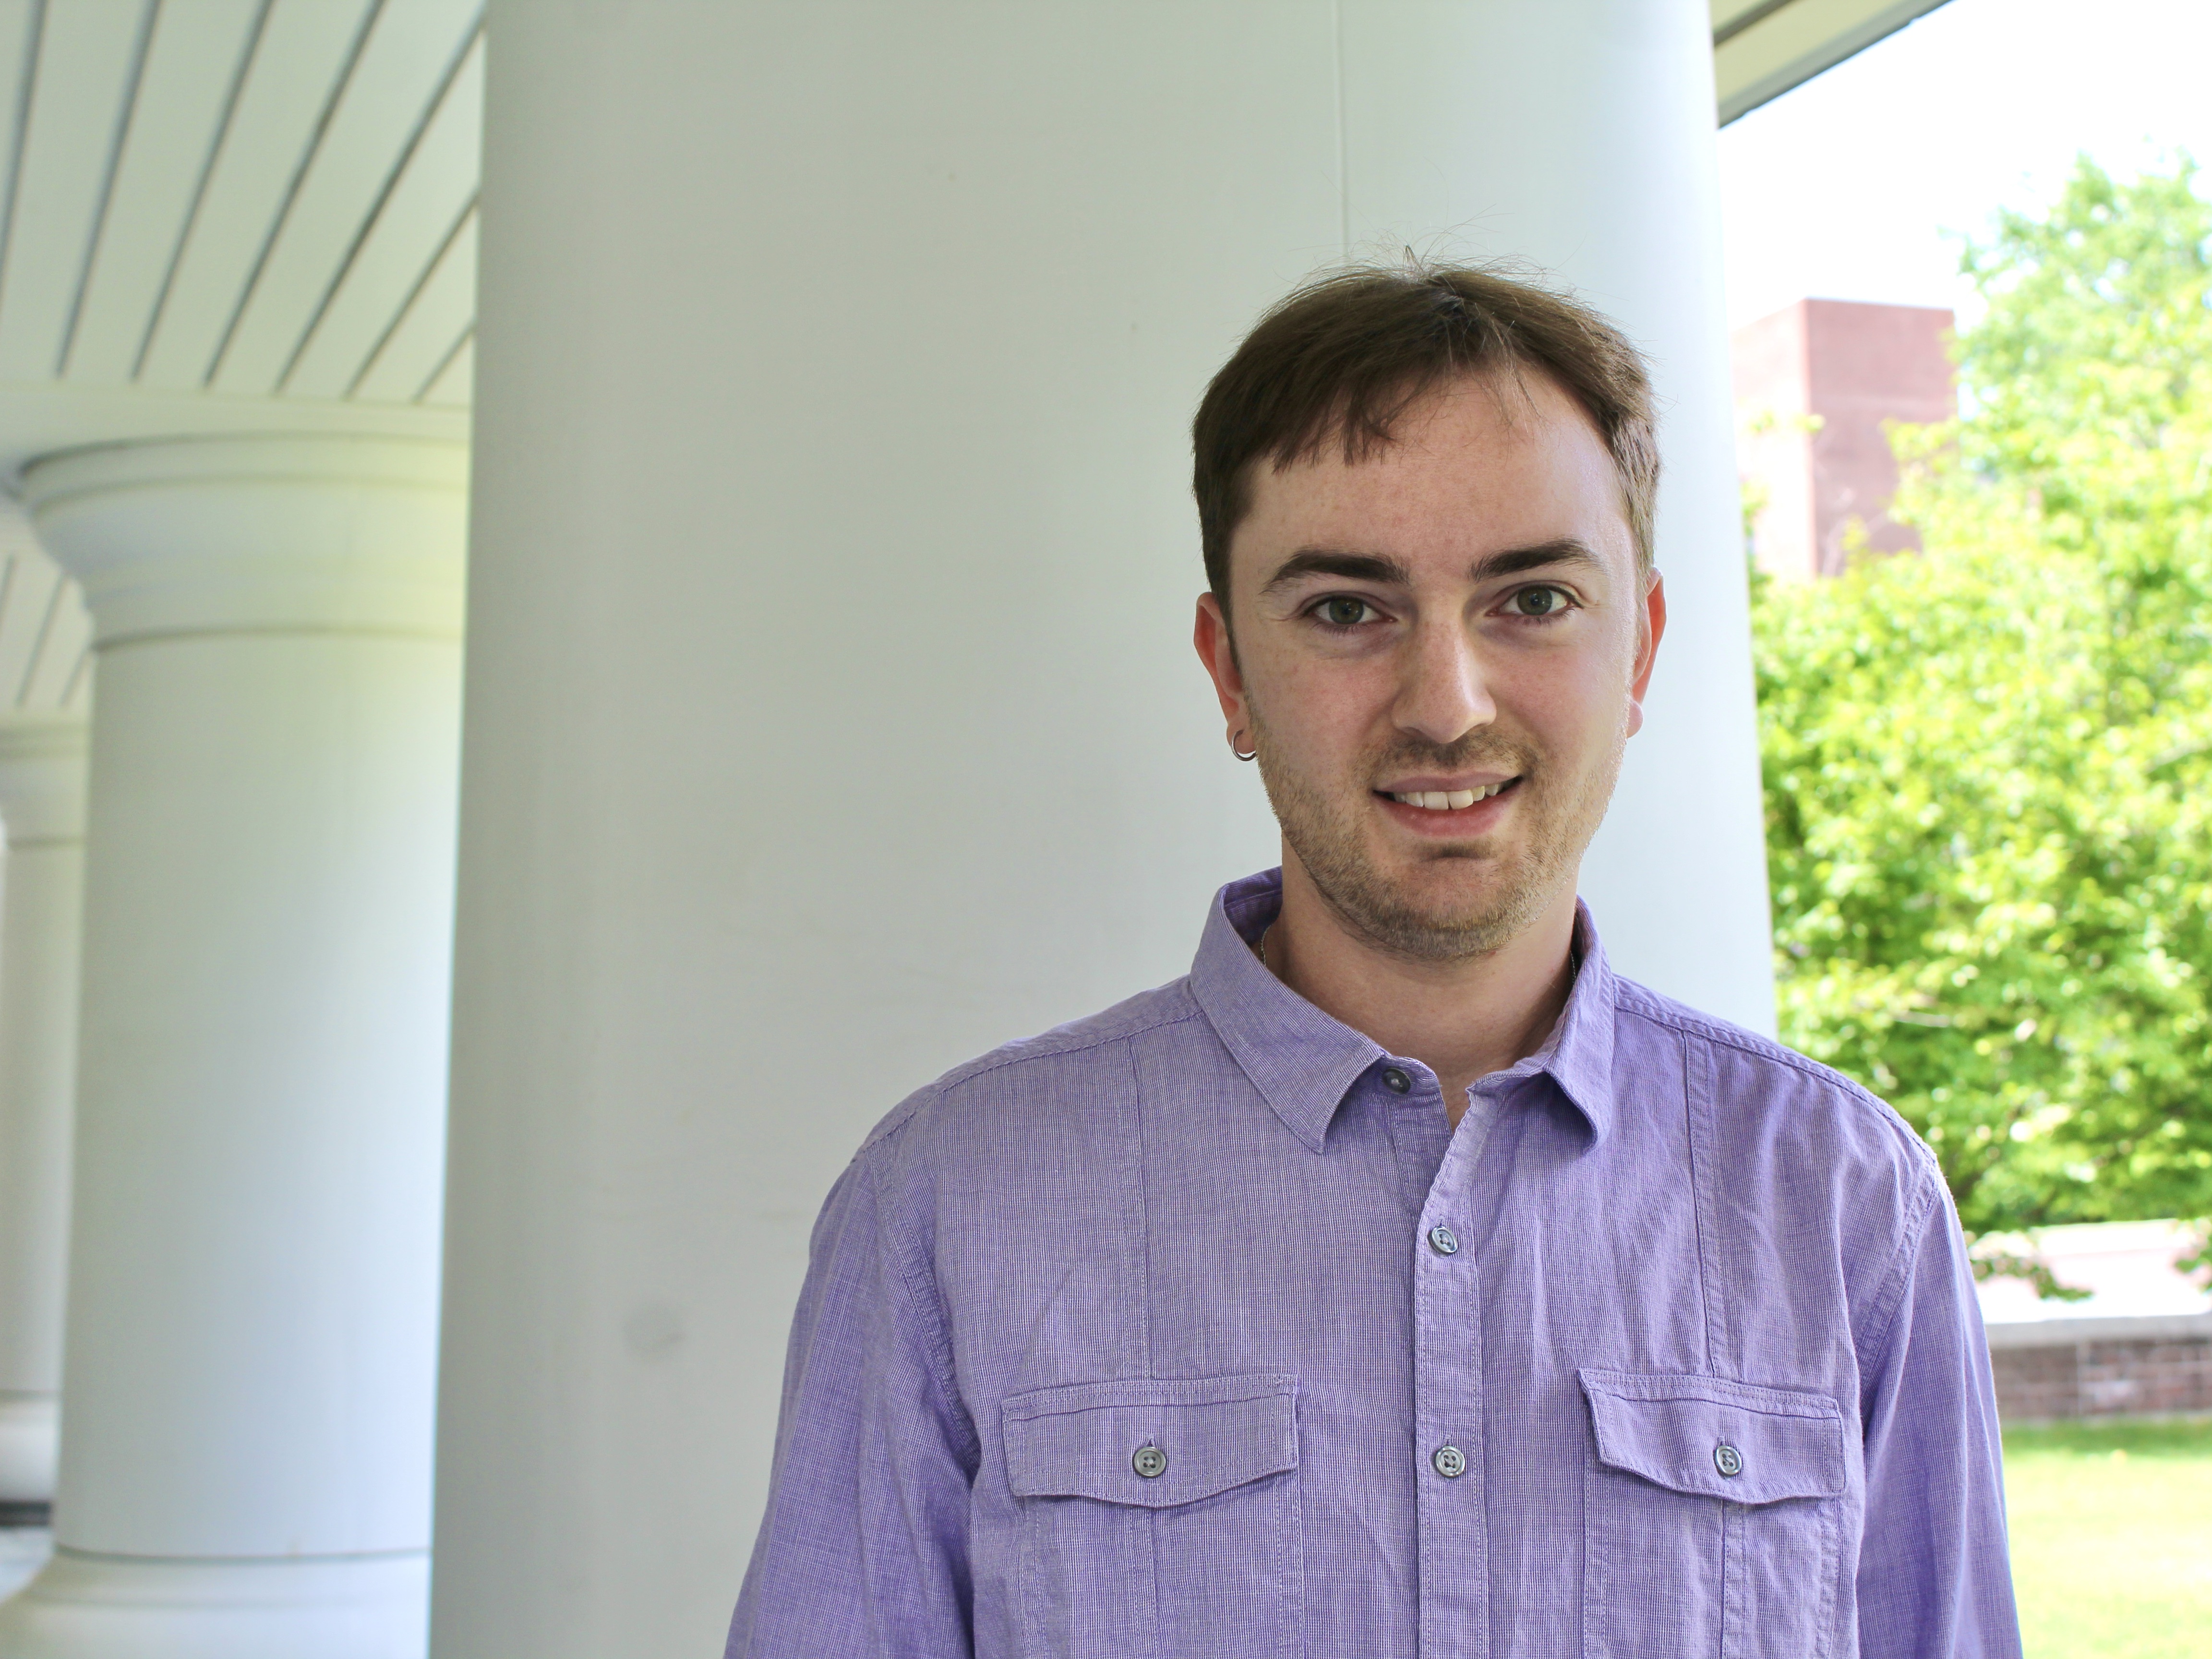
pixel 1324 828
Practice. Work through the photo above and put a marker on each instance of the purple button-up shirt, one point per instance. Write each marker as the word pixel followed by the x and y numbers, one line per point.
pixel 1194 1330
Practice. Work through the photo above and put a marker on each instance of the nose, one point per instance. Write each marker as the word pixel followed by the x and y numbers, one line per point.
pixel 1442 694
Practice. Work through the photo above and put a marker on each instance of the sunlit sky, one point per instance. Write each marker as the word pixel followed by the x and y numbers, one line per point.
pixel 1843 189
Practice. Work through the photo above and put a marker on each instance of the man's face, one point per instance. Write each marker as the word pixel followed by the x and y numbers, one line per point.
pixel 1439 655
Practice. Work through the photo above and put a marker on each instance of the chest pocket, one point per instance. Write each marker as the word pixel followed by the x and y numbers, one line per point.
pixel 1159 1518
pixel 1712 1516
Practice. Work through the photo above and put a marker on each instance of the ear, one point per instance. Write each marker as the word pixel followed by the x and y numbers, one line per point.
pixel 1211 636
pixel 1649 627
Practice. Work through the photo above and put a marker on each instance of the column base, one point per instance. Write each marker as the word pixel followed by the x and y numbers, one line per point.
pixel 109 1607
pixel 27 1441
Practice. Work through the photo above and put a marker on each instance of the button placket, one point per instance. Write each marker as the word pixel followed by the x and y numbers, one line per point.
pixel 1449 1487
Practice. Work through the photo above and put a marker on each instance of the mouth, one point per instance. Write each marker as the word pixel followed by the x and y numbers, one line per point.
pixel 1471 808
pixel 1447 800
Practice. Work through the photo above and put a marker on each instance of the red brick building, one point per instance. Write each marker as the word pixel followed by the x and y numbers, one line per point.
pixel 1814 384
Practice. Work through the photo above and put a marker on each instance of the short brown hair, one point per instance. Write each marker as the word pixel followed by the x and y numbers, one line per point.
pixel 1348 353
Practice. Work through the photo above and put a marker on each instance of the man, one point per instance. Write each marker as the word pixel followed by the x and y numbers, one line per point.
pixel 1401 1282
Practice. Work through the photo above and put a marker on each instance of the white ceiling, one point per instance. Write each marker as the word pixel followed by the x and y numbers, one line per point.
pixel 271 199
pixel 1762 48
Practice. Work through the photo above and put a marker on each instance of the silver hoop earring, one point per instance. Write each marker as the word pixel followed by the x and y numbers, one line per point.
pixel 1239 753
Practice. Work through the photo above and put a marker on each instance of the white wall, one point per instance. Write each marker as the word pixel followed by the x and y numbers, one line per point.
pixel 830 713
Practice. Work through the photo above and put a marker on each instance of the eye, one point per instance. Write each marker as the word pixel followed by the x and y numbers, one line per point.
pixel 1540 602
pixel 1344 612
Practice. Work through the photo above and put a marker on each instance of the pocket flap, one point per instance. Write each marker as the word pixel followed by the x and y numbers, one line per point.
pixel 1684 1431
pixel 1215 1433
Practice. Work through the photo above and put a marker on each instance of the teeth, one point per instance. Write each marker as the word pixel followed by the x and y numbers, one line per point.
pixel 1440 800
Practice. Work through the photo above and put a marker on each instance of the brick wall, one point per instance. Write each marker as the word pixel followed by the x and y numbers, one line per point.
pixel 2102 1367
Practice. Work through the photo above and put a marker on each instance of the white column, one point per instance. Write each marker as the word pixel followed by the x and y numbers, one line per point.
pixel 248 1376
pixel 42 760
pixel 1576 136
pixel 832 711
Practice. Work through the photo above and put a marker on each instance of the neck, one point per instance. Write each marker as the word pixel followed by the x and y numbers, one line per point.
pixel 1462 1019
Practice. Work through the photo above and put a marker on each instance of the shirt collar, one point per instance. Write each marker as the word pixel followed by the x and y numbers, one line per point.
pixel 1304 1062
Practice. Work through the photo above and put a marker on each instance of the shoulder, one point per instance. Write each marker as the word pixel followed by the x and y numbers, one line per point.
pixel 1063 1067
pixel 1790 1147
pixel 1761 1092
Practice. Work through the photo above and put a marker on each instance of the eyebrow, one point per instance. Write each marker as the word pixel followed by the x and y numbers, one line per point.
pixel 1565 549
pixel 1331 561
pixel 1394 573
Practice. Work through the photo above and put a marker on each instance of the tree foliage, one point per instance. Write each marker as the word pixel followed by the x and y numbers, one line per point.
pixel 1987 765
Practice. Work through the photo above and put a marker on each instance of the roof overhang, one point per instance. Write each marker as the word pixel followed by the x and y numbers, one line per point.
pixel 1762 48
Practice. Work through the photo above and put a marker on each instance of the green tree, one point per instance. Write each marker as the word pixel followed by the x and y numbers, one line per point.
pixel 1987 766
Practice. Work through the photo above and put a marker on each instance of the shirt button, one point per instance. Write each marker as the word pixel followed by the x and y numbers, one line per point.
pixel 1728 1460
pixel 1443 1241
pixel 1395 1080
pixel 1149 1461
pixel 1450 1463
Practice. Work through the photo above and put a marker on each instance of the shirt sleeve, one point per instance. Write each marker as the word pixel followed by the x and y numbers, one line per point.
pixel 1935 1575
pixel 862 1552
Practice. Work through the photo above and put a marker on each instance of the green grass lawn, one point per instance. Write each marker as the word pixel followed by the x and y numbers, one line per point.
pixel 2111 1539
